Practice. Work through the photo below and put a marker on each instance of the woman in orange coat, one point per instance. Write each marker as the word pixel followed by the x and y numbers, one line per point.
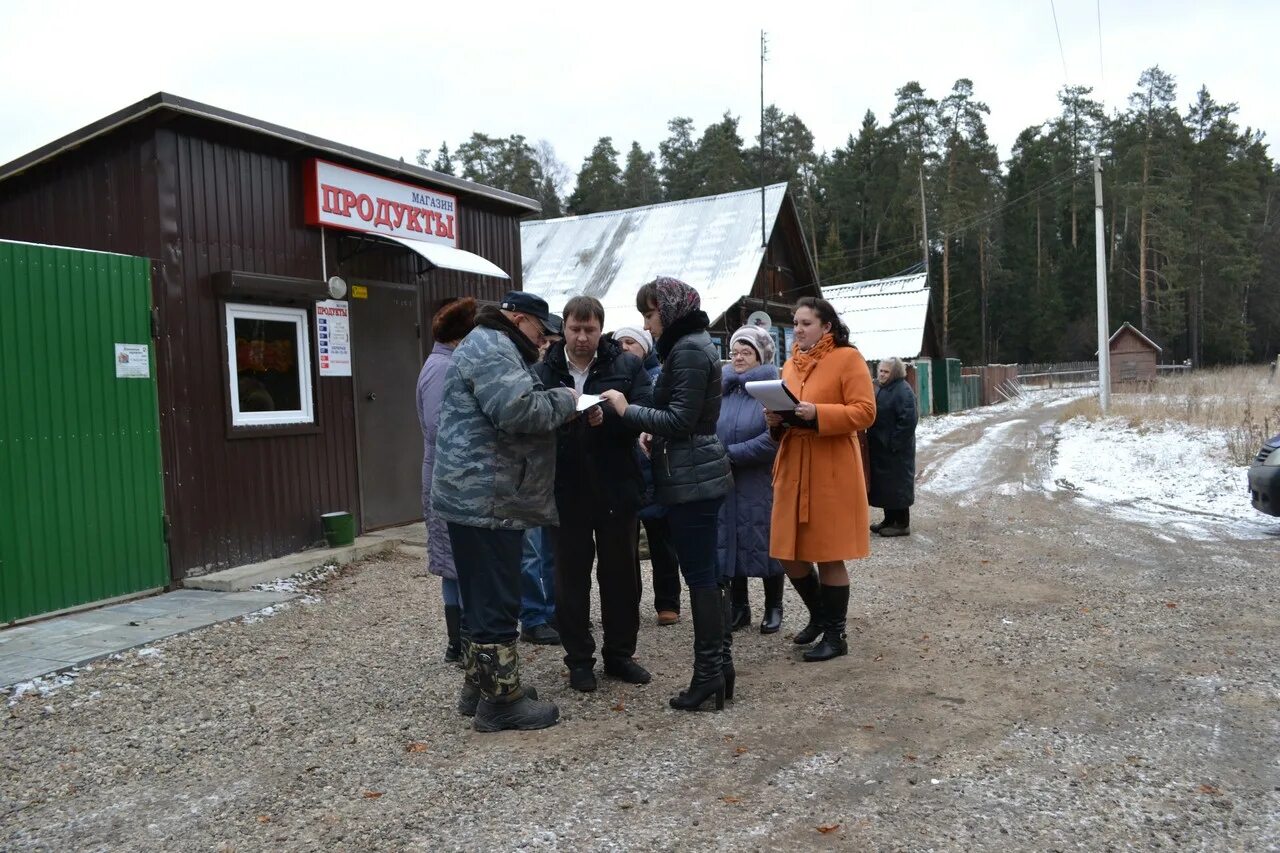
pixel 820 512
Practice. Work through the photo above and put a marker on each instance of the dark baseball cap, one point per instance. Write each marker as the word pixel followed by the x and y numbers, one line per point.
pixel 534 306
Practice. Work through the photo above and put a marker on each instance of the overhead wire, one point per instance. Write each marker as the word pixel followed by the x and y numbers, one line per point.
pixel 1062 53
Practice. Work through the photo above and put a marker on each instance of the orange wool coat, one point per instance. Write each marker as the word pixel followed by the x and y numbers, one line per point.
pixel 820 509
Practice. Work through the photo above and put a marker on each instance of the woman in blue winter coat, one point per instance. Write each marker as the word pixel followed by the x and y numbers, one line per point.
pixel 744 517
pixel 449 326
pixel 892 442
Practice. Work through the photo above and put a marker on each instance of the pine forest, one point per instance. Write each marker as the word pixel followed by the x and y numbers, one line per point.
pixel 1190 212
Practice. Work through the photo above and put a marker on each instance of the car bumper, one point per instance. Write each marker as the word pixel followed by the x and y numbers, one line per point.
pixel 1264 488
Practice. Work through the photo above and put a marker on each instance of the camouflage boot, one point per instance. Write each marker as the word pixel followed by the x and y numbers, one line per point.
pixel 505 704
pixel 470 697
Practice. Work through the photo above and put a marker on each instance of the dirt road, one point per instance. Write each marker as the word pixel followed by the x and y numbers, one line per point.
pixel 1026 672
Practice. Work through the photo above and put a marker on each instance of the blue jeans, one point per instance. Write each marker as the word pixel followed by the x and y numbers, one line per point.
pixel 693 533
pixel 537 580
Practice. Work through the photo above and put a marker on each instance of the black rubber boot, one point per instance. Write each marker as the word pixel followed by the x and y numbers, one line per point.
pixel 707 606
pixel 811 594
pixel 453 624
pixel 772 621
pixel 726 650
pixel 740 614
pixel 835 605
pixel 504 703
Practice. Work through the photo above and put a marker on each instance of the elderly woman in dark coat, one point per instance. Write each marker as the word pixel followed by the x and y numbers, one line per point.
pixel 450 325
pixel 744 517
pixel 892 441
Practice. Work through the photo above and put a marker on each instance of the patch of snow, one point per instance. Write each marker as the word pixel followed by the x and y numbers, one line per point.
pixel 42 686
pixel 967 468
pixel 300 582
pixel 1170 475
pixel 149 653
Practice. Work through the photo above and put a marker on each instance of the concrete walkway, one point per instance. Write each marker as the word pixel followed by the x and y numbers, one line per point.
pixel 41 648
pixel 62 642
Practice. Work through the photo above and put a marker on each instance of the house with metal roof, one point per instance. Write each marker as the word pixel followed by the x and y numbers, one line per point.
pixel 887 317
pixel 715 243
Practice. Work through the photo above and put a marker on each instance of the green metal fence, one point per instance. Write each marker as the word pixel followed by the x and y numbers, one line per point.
pixel 924 386
pixel 81 484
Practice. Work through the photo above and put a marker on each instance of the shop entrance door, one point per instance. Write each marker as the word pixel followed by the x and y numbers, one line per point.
pixel 386 358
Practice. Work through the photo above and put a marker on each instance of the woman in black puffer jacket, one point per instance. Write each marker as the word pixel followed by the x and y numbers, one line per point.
pixel 691 473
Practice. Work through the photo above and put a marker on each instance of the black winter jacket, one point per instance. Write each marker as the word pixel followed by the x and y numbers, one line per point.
pixel 892 445
pixel 689 462
pixel 597 475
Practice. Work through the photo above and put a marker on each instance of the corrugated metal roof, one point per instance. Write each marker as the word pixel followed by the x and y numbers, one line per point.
pixel 711 243
pixel 886 316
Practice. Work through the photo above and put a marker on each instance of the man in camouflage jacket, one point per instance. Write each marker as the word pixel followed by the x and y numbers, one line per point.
pixel 494 477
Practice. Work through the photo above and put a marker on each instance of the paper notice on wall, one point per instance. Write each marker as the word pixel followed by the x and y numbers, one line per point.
pixel 133 361
pixel 333 337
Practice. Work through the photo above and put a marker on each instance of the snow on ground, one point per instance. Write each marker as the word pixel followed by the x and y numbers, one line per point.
pixel 963 471
pixel 1166 474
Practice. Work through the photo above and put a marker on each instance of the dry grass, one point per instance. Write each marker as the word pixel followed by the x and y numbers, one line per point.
pixel 1242 402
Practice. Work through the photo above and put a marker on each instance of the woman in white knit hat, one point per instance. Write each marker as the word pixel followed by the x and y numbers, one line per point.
pixel 745 515
pixel 662 554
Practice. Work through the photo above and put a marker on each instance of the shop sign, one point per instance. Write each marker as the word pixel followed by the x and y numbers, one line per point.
pixel 133 361
pixel 333 337
pixel 339 197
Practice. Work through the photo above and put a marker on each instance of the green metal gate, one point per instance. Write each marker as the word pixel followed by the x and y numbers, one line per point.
pixel 81 484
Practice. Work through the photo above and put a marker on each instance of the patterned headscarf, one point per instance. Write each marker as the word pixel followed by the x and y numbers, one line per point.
pixel 675 300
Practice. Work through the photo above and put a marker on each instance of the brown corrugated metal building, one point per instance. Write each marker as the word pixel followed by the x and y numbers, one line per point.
pixel 229 209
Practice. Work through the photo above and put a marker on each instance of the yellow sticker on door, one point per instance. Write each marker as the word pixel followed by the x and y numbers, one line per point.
pixel 359 291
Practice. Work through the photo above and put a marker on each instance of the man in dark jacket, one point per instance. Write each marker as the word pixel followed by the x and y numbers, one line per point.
pixel 495 458
pixel 598 490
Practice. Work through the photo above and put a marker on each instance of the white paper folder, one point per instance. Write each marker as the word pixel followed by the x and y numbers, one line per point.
pixel 773 394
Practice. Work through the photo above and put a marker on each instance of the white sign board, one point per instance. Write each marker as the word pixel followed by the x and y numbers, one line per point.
pixel 339 197
pixel 333 337
pixel 133 361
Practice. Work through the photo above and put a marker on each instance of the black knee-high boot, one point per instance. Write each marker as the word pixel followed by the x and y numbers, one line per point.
pixel 835 607
pixel 811 594
pixel 726 650
pixel 453 624
pixel 772 620
pixel 740 612
pixel 709 629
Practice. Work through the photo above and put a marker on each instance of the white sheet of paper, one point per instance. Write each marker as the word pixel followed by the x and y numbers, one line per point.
pixel 586 401
pixel 772 394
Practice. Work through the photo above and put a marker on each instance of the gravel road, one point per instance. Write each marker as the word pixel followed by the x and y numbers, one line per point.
pixel 1025 673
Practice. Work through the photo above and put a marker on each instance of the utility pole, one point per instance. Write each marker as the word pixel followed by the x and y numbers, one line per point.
pixel 924 226
pixel 764 52
pixel 1099 238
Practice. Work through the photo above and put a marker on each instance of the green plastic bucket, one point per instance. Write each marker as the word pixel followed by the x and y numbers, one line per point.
pixel 339 528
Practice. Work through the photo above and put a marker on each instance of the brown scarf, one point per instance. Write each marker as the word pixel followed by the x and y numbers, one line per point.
pixel 806 361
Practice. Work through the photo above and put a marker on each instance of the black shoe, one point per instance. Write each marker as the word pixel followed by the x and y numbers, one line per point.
pixel 452 624
pixel 582 679
pixel 626 669
pixel 708 642
pixel 895 530
pixel 772 621
pixel 524 714
pixel 810 592
pixel 740 618
pixel 541 635
pixel 877 527
pixel 835 606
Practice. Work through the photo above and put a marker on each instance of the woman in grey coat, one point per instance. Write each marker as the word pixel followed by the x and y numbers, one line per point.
pixel 745 515
pixel 892 442
pixel 450 325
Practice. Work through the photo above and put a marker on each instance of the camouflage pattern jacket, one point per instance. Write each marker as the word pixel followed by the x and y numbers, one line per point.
pixel 495 462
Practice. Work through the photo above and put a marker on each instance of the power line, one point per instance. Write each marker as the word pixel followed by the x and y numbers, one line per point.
pixel 1062 53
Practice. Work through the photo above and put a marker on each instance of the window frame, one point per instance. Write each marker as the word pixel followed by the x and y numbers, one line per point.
pixel 303 419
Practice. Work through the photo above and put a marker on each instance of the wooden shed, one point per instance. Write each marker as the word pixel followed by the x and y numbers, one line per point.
pixel 1133 359
pixel 292 281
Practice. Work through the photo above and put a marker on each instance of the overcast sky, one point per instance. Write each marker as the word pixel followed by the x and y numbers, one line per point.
pixel 393 78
